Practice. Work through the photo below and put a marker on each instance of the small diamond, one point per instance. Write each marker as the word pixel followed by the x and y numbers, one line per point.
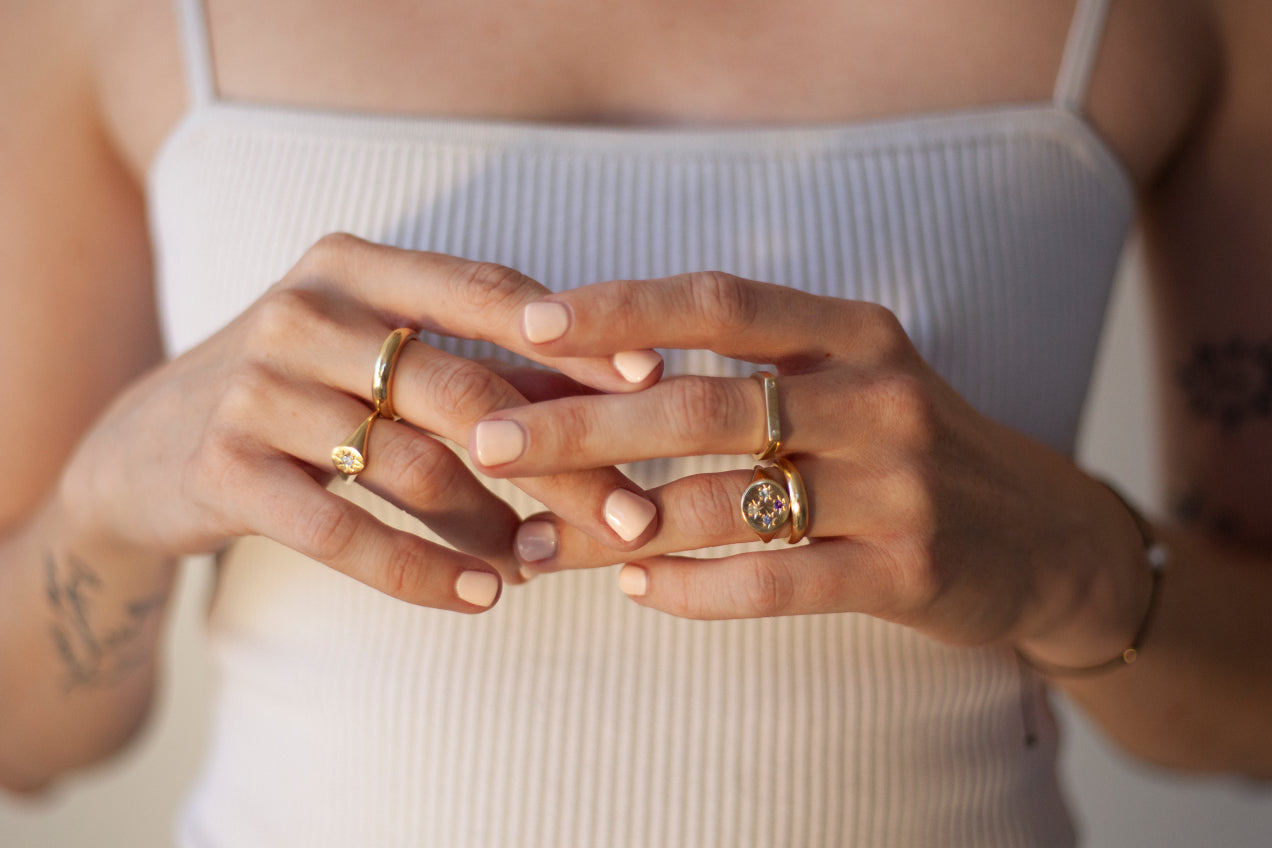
pixel 347 460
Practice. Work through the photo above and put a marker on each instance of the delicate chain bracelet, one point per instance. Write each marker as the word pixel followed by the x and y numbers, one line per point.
pixel 1156 555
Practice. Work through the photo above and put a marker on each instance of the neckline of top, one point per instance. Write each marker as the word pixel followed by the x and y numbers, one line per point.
pixel 1038 118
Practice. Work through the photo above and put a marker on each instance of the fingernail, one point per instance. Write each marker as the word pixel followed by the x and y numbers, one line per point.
pixel 544 321
pixel 628 514
pixel 633 580
pixel 525 573
pixel 636 365
pixel 536 540
pixel 498 442
pixel 478 588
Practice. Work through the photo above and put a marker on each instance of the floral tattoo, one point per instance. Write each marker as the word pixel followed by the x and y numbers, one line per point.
pixel 1230 382
pixel 98 647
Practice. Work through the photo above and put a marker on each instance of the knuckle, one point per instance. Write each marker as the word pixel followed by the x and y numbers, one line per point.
pixel 328 530
pixel 488 285
pixel 329 254
pixel 461 387
pixel 424 470
pixel 280 317
pixel 882 331
pixel 693 406
pixel 240 401
pixel 709 508
pixel 769 589
pixel 723 300
pixel 402 575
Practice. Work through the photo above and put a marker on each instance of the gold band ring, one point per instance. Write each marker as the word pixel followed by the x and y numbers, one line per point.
pixel 772 416
pixel 798 497
pixel 350 456
pixel 385 365
pixel 766 506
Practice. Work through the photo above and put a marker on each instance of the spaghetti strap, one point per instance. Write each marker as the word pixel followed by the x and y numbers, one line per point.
pixel 196 51
pixel 1080 51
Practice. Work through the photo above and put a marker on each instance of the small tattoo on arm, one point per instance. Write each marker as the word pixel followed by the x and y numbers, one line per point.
pixel 1229 382
pixel 98 647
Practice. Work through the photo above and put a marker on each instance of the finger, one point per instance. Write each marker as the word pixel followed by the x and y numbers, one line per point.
pixel 280 501
pixel 743 319
pixel 446 394
pixel 537 384
pixel 680 416
pixel 704 511
pixel 828 577
pixel 454 297
pixel 409 469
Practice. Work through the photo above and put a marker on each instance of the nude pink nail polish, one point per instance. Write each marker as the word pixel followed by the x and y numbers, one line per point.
pixel 628 514
pixel 479 588
pixel 633 580
pixel 544 322
pixel 498 442
pixel 636 365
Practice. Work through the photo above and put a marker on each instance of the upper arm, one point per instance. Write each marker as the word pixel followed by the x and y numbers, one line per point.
pixel 77 291
pixel 1208 235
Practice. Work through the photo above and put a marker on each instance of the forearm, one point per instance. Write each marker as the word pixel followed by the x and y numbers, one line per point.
pixel 80 632
pixel 1199 695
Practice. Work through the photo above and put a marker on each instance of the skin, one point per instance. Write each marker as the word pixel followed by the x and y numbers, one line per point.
pixel 101 505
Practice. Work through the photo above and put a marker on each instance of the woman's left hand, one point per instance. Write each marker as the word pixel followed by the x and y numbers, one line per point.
pixel 923 511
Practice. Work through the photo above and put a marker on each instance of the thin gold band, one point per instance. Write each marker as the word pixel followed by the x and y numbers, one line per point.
pixel 385 365
pixel 1156 557
pixel 772 416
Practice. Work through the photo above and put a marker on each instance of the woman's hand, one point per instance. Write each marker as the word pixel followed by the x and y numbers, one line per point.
pixel 923 511
pixel 235 437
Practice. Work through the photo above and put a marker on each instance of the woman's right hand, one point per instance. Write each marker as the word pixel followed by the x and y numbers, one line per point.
pixel 234 437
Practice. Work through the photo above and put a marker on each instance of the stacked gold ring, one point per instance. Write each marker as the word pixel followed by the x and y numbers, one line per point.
pixel 775 497
pixel 350 456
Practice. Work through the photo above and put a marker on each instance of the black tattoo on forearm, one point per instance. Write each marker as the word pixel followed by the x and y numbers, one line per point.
pixel 98 647
pixel 1230 382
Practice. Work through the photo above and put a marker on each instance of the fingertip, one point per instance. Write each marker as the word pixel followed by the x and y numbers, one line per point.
pixel 478 588
pixel 544 321
pixel 628 514
pixel 633 580
pixel 536 541
pixel 635 366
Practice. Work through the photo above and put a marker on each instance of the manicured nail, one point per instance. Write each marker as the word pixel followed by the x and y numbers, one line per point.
pixel 498 442
pixel 636 365
pixel 628 514
pixel 478 588
pixel 544 321
pixel 525 573
pixel 633 580
pixel 536 540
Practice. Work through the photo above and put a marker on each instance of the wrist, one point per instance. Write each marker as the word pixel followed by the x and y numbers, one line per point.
pixel 1110 604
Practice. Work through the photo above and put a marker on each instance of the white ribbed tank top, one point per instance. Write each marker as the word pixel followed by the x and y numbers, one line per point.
pixel 568 716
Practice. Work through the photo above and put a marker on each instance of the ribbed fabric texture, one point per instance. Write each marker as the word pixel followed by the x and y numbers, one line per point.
pixel 568 716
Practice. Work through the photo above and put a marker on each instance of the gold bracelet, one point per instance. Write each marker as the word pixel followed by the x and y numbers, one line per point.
pixel 1156 555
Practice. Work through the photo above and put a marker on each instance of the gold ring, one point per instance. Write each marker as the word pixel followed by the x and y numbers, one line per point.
pixel 772 418
pixel 798 497
pixel 385 365
pixel 766 506
pixel 350 456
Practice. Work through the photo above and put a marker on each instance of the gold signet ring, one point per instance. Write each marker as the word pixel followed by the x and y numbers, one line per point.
pixel 350 456
pixel 766 505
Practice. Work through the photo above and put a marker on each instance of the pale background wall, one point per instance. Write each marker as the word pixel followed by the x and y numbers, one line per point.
pixel 1119 804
